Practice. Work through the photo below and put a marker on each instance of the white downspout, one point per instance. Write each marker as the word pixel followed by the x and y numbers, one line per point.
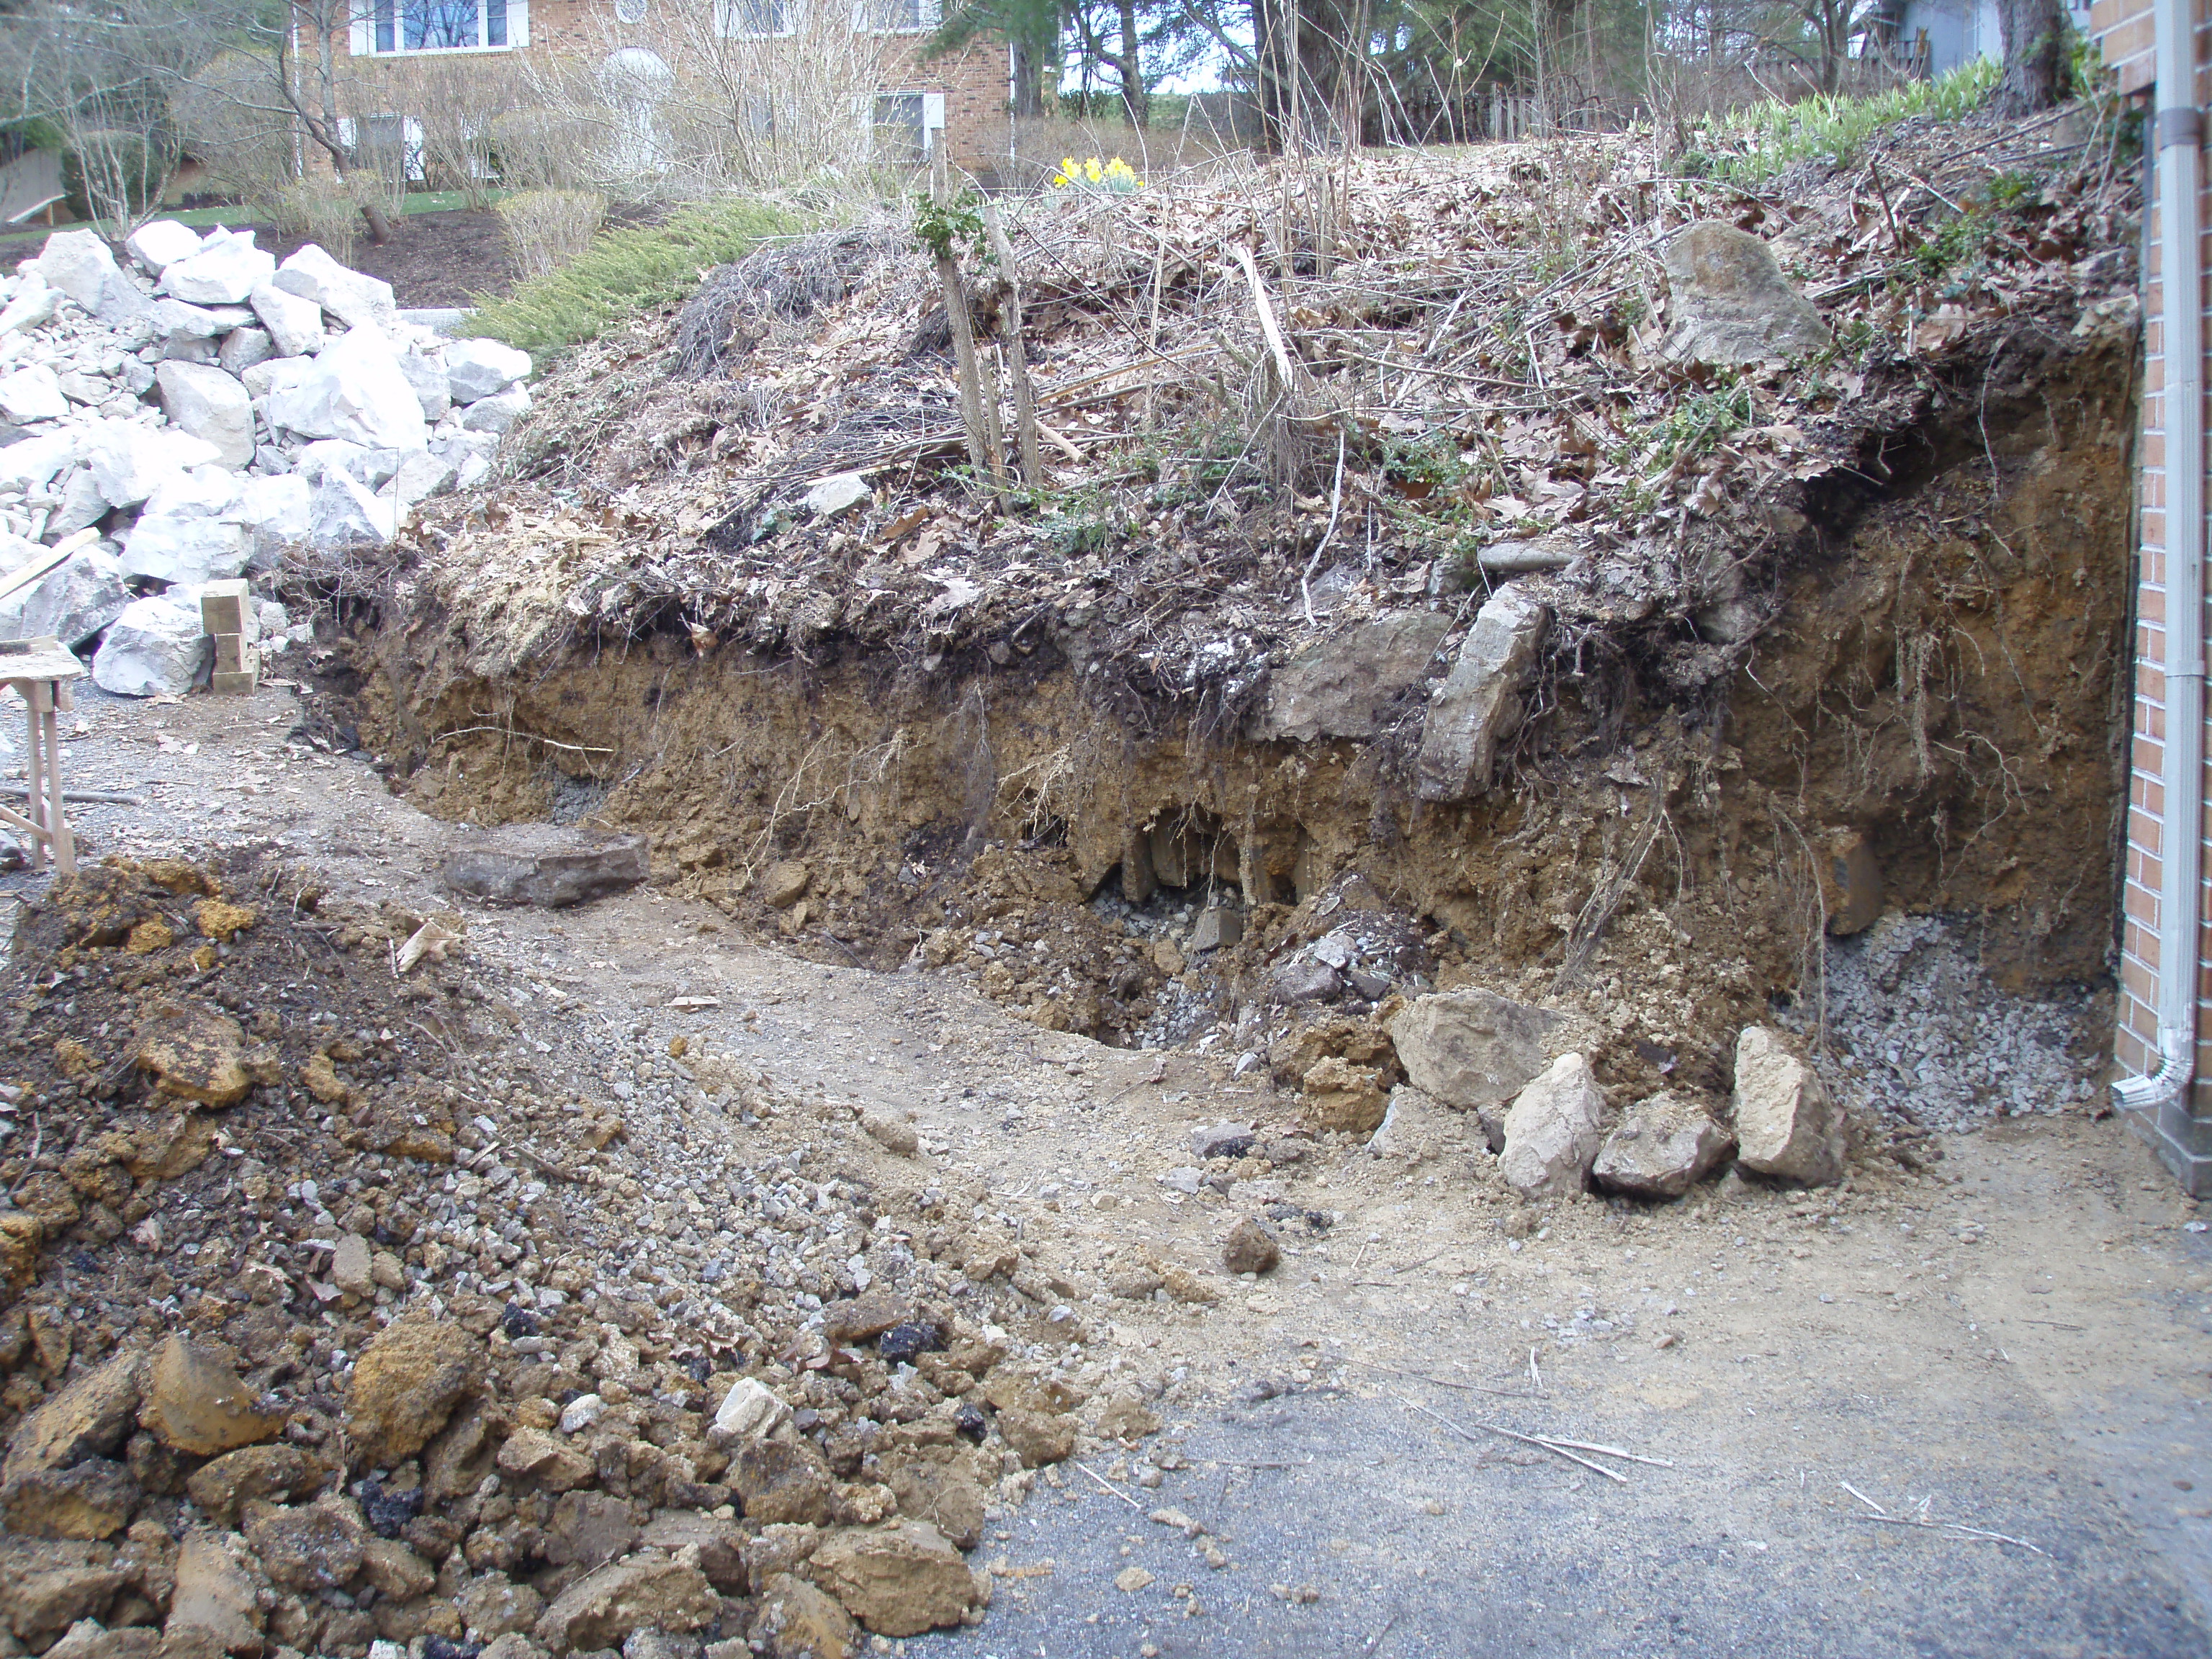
pixel 2179 139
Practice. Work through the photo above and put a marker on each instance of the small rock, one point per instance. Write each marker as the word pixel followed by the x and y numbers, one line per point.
pixel 1217 927
pixel 1221 1139
pixel 547 865
pixel 1552 1131
pixel 601 1609
pixel 225 269
pixel 1340 1095
pixel 585 1410
pixel 295 324
pixel 552 1464
pixel 496 1605
pixel 1479 702
pixel 750 1411
pixel 405 1385
pixel 275 1473
pixel 1786 1123
pixel 798 1621
pixel 1304 980
pixel 859 1319
pixel 214 1595
pixel 197 1054
pixel 352 299
pixel 479 368
pixel 195 1403
pixel 1249 1249
pixel 1037 1438
pixel 780 1481
pixel 317 1547
pixel 160 243
pixel 350 1266
pixel 1661 1148
pixel 893 1134
pixel 1132 1579
pixel 899 1580
pixel 783 883
pixel 210 405
pixel 839 493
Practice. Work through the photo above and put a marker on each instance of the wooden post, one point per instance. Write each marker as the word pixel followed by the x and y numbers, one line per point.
pixel 980 454
pixel 35 782
pixel 1026 429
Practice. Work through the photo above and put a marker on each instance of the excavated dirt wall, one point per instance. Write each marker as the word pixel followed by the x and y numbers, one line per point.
pixel 1932 723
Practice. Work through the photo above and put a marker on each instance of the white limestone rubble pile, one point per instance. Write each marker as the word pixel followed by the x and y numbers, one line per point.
pixel 203 409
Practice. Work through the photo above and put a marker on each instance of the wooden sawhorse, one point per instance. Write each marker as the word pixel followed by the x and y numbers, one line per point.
pixel 40 670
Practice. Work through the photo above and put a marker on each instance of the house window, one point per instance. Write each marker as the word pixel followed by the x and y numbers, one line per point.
pixel 391 27
pixel 906 125
pixel 901 16
pixel 753 19
pixel 629 11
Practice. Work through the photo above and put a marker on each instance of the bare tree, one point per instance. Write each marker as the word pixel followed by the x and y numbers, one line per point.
pixel 98 80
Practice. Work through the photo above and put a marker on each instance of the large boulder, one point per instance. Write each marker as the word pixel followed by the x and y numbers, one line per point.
pixel 209 405
pixel 481 368
pixel 153 647
pixel 547 865
pixel 160 243
pixel 77 261
pixel 1732 304
pixel 898 1580
pixel 1661 1148
pixel 354 391
pixel 601 1609
pixel 1786 1123
pixel 36 460
pixel 226 269
pixel 496 415
pixel 242 348
pixel 352 299
pixel 1340 686
pixel 1553 1130
pixel 345 513
pixel 277 512
pixel 294 323
pixel 129 462
pixel 188 532
pixel 426 373
pixel 1472 1048
pixel 1481 702
pixel 72 604
pixel 406 1383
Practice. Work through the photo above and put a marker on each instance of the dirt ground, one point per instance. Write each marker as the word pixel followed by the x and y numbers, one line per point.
pixel 1959 1413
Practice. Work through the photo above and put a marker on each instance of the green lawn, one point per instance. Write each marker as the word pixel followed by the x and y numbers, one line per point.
pixel 424 201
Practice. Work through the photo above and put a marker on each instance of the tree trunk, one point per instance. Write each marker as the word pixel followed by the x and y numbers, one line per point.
pixel 1029 80
pixel 1134 104
pixel 2034 51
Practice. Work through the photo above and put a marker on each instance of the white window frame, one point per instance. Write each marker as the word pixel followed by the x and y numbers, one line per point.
pixel 866 17
pixel 361 33
pixel 933 115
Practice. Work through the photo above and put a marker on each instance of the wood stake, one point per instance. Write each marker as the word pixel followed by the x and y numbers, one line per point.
pixel 1025 421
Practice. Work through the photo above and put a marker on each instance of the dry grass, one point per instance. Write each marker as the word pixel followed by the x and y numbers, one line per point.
pixel 1041 141
pixel 322 208
pixel 547 228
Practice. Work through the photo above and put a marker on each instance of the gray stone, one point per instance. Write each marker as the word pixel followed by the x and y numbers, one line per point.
pixel 129 462
pixel 32 394
pixel 1472 1048
pixel 242 348
pixel 176 323
pixel 1302 980
pixel 153 647
pixel 437 320
pixel 547 865
pixel 1661 1148
pixel 1340 686
pixel 1416 1125
pixel 1482 700
pixel 72 604
pixel 480 368
pixel 211 406
pixel 750 1411
pixel 346 514
pixel 34 461
pixel 227 269
pixel 82 505
pixel 189 530
pixel 277 512
pixel 1732 303
pixel 841 492
pixel 1553 1131
pixel 1217 927
pixel 295 324
pixel 1786 1123
pixel 426 375
pixel 496 414
pixel 421 476
pixel 352 299
pixel 1221 1139
pixel 35 302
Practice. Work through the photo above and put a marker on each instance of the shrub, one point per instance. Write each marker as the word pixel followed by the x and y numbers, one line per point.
pixel 624 272
pixel 320 208
pixel 546 228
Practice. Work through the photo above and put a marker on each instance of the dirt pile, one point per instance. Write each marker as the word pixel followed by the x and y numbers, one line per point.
pixel 335 1313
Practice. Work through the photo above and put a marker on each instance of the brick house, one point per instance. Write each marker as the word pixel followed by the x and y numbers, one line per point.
pixel 2164 1045
pixel 962 100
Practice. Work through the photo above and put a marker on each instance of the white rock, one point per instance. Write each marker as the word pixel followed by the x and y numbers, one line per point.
pixel 1551 1132
pixel 34 303
pixel 294 322
pixel 129 462
pixel 346 514
pixel 223 272
pixel 473 471
pixel 427 374
pixel 355 392
pixel 34 461
pixel 841 492
pixel 496 414
pixel 176 323
pixel 373 467
pixel 750 1411
pixel 277 512
pixel 348 296
pixel 242 348
pixel 483 368
pixel 1786 1123
pixel 160 243
pixel 72 604
pixel 263 378
pixel 33 394
pixel 189 531
pixel 153 647
pixel 78 263
pixel 582 1412
pixel 209 405
pixel 82 505
pixel 422 476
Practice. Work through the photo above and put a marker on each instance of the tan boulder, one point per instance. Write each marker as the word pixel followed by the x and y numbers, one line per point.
pixel 1786 1123
pixel 271 1472
pixel 405 1385
pixel 781 1480
pixel 546 1459
pixel 40 1605
pixel 601 1609
pixel 214 1595
pixel 93 1498
pixel 898 1580
pixel 90 1417
pixel 196 1054
pixel 798 1621
pixel 22 1236
pixel 1037 1438
pixel 1342 1096
pixel 195 1402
